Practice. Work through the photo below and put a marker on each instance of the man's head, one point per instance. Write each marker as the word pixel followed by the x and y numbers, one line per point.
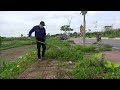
pixel 42 23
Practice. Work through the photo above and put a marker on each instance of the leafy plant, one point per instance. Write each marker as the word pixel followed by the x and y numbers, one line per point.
pixel 93 68
pixel 111 65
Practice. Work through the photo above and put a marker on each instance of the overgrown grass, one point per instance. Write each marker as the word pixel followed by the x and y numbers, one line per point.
pixel 71 41
pixel 111 36
pixel 5 44
pixel 62 50
pixel 103 47
pixel 93 68
pixel 3 61
pixel 13 69
pixel 85 49
pixel 89 66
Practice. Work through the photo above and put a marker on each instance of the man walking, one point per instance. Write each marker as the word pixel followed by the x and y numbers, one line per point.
pixel 40 34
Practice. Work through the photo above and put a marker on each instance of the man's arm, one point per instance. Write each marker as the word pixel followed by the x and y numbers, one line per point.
pixel 31 31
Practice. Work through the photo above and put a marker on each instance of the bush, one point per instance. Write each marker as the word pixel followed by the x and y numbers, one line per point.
pixel 102 47
pixel 111 36
pixel 90 36
pixel 85 49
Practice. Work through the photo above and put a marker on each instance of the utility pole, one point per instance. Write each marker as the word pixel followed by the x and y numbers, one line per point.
pixel 84 13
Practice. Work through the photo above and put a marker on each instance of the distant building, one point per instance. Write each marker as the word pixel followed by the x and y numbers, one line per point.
pixel 107 28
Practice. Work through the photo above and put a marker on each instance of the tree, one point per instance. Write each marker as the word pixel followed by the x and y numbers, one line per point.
pixel 66 28
pixel 75 34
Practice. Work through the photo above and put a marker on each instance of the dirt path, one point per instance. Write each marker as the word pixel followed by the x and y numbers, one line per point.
pixel 48 69
pixel 14 53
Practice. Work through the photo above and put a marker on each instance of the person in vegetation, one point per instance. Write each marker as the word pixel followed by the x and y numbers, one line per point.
pixel 40 34
pixel 98 37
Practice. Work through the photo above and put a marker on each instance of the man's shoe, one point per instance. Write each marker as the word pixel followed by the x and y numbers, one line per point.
pixel 39 59
pixel 43 58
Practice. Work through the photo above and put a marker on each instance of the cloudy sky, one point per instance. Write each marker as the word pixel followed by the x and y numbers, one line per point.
pixel 15 23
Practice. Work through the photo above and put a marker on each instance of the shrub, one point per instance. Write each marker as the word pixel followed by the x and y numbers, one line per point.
pixel 103 47
pixel 111 36
pixel 90 36
pixel 85 49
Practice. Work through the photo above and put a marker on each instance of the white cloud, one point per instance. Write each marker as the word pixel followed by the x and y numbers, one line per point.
pixel 15 23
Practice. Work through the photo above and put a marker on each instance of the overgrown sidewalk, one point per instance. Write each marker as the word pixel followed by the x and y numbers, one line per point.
pixel 69 62
pixel 48 69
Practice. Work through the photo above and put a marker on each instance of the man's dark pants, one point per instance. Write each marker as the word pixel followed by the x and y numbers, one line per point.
pixel 39 48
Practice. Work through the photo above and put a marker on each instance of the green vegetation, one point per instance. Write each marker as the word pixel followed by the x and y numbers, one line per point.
pixel 70 41
pixel 85 49
pixel 74 34
pixel 109 34
pixel 102 47
pixel 63 51
pixel 66 28
pixel 89 65
pixel 7 43
pixel 13 69
pixel 91 68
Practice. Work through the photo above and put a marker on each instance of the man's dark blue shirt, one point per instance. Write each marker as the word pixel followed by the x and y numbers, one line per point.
pixel 40 33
